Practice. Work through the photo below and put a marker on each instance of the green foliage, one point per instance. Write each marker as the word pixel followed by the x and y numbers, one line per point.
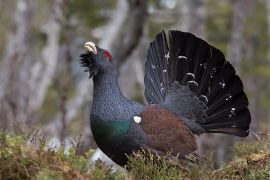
pixel 255 166
pixel 144 165
pixel 100 171
pixel 259 173
pixel 242 149
pixel 204 168
pixel 252 161
pixel 25 156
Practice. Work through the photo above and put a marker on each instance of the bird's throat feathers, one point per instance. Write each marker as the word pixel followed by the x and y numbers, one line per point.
pixel 87 61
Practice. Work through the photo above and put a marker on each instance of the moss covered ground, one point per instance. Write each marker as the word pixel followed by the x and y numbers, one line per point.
pixel 26 156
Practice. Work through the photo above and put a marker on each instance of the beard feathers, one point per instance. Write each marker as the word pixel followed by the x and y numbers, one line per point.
pixel 87 61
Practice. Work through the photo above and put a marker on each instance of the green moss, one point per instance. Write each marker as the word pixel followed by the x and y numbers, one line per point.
pixel 22 159
pixel 48 174
pixel 144 165
pixel 251 161
pixel 242 149
pixel 25 156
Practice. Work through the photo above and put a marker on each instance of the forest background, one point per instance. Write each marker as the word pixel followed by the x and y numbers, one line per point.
pixel 42 85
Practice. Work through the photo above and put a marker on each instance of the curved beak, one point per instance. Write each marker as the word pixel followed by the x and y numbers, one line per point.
pixel 90 46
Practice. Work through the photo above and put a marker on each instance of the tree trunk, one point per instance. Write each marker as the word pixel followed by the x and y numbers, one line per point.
pixel 13 102
pixel 192 17
pixel 128 17
pixel 131 73
pixel 24 85
pixel 116 41
pixel 268 22
pixel 235 53
pixel 44 69
pixel 241 8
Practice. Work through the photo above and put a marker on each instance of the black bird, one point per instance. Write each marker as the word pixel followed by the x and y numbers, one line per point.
pixel 190 89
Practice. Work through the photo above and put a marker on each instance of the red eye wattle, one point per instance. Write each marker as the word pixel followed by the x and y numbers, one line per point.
pixel 107 55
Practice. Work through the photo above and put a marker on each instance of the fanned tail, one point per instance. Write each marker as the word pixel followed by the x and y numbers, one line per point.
pixel 214 101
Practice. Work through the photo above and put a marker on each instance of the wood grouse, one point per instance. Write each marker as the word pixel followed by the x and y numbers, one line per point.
pixel 190 89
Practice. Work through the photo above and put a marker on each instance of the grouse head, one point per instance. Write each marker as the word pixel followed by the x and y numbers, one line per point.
pixel 97 60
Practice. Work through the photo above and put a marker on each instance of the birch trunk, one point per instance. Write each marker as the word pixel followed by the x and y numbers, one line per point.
pixel 126 11
pixel 24 85
pixel 13 103
pixel 241 9
pixel 44 69
pixel 235 54
pixel 268 22
pixel 128 15
pixel 192 17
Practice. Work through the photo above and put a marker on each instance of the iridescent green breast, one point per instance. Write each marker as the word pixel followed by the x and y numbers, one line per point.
pixel 107 132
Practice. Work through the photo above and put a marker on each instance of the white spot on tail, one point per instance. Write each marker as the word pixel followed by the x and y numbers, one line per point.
pixel 191 74
pixel 137 119
pixel 167 56
pixel 222 83
pixel 182 57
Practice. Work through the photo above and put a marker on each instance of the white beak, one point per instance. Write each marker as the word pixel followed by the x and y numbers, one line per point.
pixel 90 46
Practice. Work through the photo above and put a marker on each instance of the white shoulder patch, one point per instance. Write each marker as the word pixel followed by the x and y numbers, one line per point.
pixel 137 119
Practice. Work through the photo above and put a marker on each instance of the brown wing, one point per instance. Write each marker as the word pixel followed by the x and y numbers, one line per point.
pixel 166 132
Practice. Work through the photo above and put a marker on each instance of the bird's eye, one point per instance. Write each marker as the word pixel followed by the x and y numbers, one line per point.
pixel 107 55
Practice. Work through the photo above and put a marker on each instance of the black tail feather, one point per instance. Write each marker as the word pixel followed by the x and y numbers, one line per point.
pixel 239 126
pixel 204 69
pixel 156 69
pixel 227 97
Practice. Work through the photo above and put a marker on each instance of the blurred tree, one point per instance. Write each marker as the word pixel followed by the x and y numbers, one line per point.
pixel 120 37
pixel 221 144
pixel 13 89
pixel 43 70
pixel 24 81
pixel 40 83
pixel 268 21
pixel 240 10
pixel 192 16
pixel 268 55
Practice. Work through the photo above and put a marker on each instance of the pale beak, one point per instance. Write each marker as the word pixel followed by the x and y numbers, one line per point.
pixel 90 46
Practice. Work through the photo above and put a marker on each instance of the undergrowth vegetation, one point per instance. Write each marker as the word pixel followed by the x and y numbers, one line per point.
pixel 26 156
